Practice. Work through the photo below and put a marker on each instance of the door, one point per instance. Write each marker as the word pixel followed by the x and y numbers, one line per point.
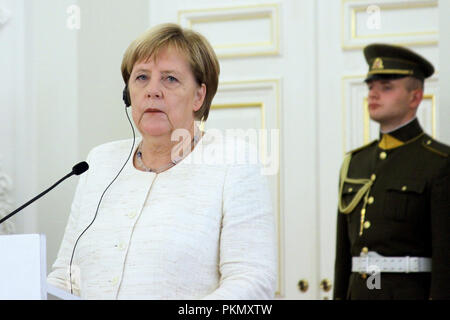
pixel 292 81
pixel 344 28
pixel 267 85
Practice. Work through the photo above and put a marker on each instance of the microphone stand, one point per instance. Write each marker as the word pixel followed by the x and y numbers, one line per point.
pixel 78 169
pixel 35 198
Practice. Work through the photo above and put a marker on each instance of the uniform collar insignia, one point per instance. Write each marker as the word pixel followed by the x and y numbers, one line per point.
pixel 401 135
pixel 389 142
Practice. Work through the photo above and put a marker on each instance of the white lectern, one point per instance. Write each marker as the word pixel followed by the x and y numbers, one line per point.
pixel 23 269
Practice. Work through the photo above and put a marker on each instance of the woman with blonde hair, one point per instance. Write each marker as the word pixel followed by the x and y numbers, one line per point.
pixel 168 227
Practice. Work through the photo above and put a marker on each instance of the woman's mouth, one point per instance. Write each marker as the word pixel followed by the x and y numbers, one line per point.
pixel 153 110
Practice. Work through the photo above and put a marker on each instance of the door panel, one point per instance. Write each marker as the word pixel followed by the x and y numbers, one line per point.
pixel 296 69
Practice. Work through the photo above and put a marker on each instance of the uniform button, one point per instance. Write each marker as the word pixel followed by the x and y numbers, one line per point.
pixel 365 250
pixel 383 155
pixel 429 142
pixel 371 200
pixel 350 189
pixel 363 211
pixel 363 276
pixel 122 246
pixel 373 177
pixel 404 188
pixel 367 225
pixel 115 281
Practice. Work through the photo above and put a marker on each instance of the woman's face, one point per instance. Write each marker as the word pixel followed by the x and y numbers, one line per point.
pixel 164 94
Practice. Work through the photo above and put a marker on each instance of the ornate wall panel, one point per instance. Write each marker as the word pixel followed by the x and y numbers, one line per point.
pixel 237 31
pixel 413 22
pixel 5 202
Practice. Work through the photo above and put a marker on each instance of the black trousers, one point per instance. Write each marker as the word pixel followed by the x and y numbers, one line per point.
pixel 389 286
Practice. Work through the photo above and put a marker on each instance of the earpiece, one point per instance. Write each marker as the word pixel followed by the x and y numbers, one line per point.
pixel 126 97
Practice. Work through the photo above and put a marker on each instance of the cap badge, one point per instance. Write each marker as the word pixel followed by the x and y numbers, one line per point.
pixel 378 64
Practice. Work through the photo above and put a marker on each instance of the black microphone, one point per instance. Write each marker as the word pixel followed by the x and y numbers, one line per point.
pixel 78 169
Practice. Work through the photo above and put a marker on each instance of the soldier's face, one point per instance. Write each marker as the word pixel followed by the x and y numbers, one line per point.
pixel 390 103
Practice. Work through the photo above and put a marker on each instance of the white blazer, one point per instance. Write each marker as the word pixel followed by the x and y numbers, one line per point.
pixel 203 229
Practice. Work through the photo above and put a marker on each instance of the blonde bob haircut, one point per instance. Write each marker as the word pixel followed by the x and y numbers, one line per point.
pixel 197 50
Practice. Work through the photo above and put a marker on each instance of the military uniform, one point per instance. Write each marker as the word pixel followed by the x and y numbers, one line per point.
pixel 394 201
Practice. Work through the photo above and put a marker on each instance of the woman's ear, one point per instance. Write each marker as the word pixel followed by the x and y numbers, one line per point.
pixel 200 95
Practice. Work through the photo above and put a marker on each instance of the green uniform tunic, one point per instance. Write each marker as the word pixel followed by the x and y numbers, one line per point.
pixel 395 200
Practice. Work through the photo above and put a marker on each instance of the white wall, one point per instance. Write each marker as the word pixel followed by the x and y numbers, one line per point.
pixel 444 71
pixel 8 77
pixel 11 42
pixel 108 27
pixel 78 93
pixel 52 93
pixel 61 94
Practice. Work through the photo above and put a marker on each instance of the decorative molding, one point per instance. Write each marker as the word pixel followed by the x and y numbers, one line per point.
pixel 355 13
pixel 260 95
pixel 5 202
pixel 224 29
pixel 5 15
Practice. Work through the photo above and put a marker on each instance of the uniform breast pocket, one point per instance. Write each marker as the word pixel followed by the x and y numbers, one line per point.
pixel 405 200
pixel 348 193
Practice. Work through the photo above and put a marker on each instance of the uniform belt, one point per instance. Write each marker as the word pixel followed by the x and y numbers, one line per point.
pixel 373 262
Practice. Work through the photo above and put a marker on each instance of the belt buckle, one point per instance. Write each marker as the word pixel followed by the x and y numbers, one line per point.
pixel 373 262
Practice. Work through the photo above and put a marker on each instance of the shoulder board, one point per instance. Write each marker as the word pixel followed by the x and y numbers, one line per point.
pixel 363 147
pixel 436 147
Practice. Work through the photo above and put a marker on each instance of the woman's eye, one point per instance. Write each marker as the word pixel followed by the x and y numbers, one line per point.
pixel 171 79
pixel 142 77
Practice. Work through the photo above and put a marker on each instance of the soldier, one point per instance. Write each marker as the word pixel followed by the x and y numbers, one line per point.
pixel 393 235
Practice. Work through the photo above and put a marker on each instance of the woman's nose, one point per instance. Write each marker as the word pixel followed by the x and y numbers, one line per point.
pixel 154 89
